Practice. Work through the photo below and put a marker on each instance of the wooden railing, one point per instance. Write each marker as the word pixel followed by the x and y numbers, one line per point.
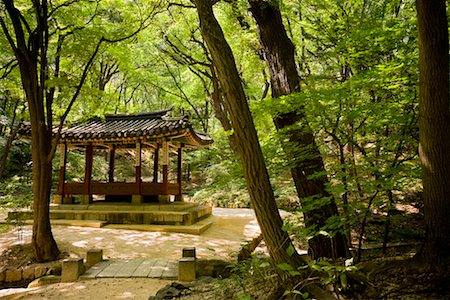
pixel 121 188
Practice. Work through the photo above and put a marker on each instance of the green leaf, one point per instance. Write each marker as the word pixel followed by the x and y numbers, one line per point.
pixel 285 267
pixel 343 278
pixel 290 250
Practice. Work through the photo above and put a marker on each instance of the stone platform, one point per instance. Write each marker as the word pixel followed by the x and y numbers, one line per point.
pixel 169 217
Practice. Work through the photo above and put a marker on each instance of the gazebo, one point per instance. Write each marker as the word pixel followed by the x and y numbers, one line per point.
pixel 166 136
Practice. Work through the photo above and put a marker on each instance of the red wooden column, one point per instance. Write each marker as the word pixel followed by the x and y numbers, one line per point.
pixel 156 163
pixel 179 197
pixel 136 198
pixel 62 175
pixel 87 197
pixel 112 163
pixel 164 197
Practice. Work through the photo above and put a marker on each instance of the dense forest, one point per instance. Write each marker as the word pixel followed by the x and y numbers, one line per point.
pixel 313 107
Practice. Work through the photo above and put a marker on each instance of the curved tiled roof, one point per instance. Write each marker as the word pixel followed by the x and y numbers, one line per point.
pixel 144 126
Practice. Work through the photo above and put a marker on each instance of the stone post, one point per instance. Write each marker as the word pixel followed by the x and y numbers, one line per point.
pixel 93 256
pixel 72 268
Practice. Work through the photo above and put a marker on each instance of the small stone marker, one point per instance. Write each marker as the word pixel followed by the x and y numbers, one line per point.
pixel 72 268
pixel 186 269
pixel 93 256
pixel 189 252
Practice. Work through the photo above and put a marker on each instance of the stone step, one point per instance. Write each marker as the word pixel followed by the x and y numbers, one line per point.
pixel 119 215
pixel 134 268
pixel 197 228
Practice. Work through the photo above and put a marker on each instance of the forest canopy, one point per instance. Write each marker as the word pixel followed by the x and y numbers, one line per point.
pixel 333 96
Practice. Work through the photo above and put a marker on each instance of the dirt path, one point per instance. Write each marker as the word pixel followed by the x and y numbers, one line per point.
pixel 223 240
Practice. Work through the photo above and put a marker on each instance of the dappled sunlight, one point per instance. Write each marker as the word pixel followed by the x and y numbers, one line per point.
pixel 135 288
pixel 252 229
pixel 15 236
pixel 126 295
pixel 81 244
pixel 80 287
pixel 222 240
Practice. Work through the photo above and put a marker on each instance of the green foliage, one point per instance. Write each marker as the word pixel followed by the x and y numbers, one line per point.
pixel 19 158
pixel 250 279
pixel 16 192
pixel 333 274
pixel 358 61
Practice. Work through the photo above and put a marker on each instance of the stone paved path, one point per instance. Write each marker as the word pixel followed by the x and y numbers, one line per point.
pixel 134 268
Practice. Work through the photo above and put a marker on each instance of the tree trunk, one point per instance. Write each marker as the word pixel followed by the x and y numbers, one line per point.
pixel 434 129
pixel 278 53
pixel 247 145
pixel 33 68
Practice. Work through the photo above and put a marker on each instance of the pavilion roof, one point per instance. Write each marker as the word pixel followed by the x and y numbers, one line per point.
pixel 147 127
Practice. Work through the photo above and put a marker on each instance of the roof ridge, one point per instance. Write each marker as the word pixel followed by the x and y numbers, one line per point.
pixel 143 115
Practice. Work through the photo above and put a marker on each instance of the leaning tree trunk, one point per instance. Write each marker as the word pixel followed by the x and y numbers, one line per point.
pixel 247 144
pixel 278 53
pixel 434 129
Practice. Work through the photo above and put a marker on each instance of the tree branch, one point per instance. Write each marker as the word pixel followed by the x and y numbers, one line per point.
pixel 8 68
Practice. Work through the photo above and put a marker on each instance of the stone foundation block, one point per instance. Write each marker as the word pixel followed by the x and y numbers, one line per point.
pixel 93 256
pixel 72 268
pixel 137 199
pixel 163 198
pixel 58 199
pixel 85 199
pixel 28 273
pixel 13 275
pixel 2 276
pixel 186 269
pixel 67 200
pixel 39 271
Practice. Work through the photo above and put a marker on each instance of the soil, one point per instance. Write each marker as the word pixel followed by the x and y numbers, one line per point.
pixel 392 275
pixel 223 240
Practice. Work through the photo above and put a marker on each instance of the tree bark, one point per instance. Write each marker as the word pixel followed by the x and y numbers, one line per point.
pixel 33 68
pixel 279 54
pixel 434 129
pixel 247 145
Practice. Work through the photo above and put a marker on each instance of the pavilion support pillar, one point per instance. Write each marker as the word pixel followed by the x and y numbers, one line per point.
pixel 179 197
pixel 59 197
pixel 164 197
pixel 137 198
pixel 156 164
pixel 86 198
pixel 112 163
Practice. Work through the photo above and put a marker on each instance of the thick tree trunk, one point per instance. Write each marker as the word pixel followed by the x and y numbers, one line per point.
pixel 43 242
pixel 434 126
pixel 33 68
pixel 247 144
pixel 278 53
